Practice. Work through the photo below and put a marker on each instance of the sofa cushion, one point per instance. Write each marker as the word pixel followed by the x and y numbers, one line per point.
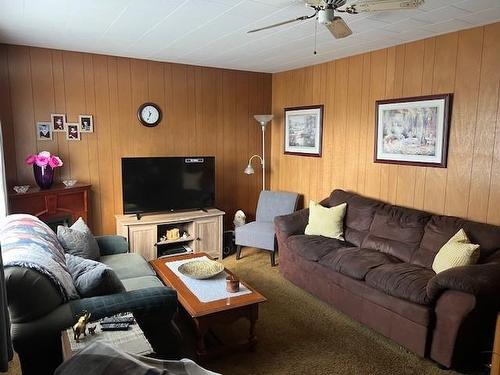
pixel 355 262
pixel 326 221
pixel 402 280
pixel 458 251
pixel 314 248
pixel 93 278
pixel 437 231
pixel 78 240
pixel 141 282
pixel 359 214
pixel 397 231
pixel 128 265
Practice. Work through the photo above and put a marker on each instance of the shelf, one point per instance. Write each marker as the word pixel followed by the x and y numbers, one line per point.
pixel 180 240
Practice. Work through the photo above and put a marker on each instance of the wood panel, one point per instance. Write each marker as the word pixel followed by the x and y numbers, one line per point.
pixel 464 63
pixel 207 111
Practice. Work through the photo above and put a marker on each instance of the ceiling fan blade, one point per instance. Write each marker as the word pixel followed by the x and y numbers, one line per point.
pixel 303 18
pixel 339 28
pixel 315 3
pixel 383 5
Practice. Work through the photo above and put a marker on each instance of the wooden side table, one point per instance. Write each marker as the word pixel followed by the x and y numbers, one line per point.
pixel 55 204
pixel 495 360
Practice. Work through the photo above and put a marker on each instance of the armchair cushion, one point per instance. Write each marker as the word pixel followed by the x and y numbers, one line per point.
pixel 78 240
pixel 273 203
pixel 257 234
pixel 93 278
pixel 110 245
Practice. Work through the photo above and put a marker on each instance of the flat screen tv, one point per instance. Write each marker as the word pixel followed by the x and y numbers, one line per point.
pixel 155 184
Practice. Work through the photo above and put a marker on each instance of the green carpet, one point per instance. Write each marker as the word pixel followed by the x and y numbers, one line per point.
pixel 299 334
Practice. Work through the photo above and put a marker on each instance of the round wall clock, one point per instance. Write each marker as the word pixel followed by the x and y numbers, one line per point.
pixel 149 114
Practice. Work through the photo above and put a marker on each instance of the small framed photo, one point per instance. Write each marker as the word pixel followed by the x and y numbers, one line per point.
pixel 304 130
pixel 73 133
pixel 44 131
pixel 86 123
pixel 413 131
pixel 58 122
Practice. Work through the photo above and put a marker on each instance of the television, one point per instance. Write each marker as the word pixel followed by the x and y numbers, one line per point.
pixel 155 184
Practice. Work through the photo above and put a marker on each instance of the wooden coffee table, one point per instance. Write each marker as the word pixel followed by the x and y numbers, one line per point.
pixel 205 315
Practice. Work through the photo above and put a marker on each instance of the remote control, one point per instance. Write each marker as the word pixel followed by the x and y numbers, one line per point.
pixel 118 319
pixel 115 327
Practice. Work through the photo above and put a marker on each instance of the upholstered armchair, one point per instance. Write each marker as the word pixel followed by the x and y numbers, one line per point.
pixel 260 233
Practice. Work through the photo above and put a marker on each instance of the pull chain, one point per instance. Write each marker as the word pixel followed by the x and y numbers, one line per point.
pixel 315 34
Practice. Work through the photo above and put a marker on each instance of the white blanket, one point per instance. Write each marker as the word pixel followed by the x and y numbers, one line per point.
pixel 207 290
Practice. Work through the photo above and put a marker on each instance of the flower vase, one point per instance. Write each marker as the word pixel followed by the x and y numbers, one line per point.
pixel 44 176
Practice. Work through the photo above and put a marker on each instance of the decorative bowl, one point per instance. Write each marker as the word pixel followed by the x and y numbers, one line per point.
pixel 69 183
pixel 201 269
pixel 21 189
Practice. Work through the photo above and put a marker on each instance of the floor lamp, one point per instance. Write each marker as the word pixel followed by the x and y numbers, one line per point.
pixel 263 120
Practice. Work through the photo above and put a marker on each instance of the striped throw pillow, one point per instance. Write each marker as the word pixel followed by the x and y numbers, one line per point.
pixel 458 251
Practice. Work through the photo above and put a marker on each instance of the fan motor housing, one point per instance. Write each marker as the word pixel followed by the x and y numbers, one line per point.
pixel 326 16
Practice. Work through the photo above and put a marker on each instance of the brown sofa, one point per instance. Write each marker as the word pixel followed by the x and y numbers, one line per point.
pixel 382 276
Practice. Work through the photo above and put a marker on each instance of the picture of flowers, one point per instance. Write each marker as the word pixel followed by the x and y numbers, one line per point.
pixel 413 130
pixel 303 130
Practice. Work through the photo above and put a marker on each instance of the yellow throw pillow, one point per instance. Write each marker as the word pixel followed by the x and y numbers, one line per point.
pixel 324 221
pixel 458 251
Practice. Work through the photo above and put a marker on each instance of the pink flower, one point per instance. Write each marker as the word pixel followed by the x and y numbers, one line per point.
pixel 30 159
pixel 55 162
pixel 41 161
pixel 45 154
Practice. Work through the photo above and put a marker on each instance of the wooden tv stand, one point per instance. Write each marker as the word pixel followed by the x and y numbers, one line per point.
pixel 204 229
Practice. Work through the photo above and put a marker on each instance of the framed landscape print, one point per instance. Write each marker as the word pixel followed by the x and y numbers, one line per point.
pixel 304 130
pixel 413 131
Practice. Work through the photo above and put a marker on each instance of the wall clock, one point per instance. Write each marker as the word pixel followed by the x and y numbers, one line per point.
pixel 149 114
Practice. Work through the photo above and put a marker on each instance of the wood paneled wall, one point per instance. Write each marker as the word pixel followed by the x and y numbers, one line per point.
pixel 206 112
pixel 466 63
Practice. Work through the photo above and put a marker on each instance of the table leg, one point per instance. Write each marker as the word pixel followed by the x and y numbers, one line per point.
pixel 254 315
pixel 201 331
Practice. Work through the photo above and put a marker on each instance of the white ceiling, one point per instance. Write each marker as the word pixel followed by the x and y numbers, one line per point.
pixel 213 32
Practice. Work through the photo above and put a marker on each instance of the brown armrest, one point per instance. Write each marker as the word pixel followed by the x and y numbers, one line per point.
pixel 480 280
pixel 295 223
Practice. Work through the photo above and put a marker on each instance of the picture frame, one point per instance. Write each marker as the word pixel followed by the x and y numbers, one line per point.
pixel 86 123
pixel 44 131
pixel 303 133
pixel 73 131
pixel 58 121
pixel 413 131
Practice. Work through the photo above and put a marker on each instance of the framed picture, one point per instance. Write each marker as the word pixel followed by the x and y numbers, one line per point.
pixel 413 131
pixel 86 123
pixel 58 122
pixel 44 131
pixel 304 130
pixel 73 133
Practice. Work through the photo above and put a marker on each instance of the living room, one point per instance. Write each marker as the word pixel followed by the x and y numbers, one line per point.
pixel 384 117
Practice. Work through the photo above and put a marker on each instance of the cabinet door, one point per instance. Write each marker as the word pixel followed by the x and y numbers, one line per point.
pixel 142 239
pixel 208 236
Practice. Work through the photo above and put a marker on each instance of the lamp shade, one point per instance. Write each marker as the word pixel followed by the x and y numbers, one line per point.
pixel 263 119
pixel 249 169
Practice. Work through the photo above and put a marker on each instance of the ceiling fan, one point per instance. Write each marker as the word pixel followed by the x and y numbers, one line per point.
pixel 324 11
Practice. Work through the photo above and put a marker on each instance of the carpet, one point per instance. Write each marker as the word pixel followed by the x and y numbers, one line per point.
pixel 299 334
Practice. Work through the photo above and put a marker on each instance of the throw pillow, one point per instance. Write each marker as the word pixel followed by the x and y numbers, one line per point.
pixel 78 240
pixel 327 222
pixel 458 251
pixel 93 278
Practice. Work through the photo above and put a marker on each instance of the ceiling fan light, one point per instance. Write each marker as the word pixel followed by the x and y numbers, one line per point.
pixel 339 28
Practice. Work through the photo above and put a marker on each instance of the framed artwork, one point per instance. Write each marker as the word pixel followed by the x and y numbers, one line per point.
pixel 413 131
pixel 58 122
pixel 86 123
pixel 43 131
pixel 304 130
pixel 73 132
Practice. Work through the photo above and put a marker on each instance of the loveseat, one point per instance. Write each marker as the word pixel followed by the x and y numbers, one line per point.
pixel 382 276
pixel 38 312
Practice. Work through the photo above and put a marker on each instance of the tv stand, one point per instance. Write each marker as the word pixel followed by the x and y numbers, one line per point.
pixel 143 232
pixel 203 209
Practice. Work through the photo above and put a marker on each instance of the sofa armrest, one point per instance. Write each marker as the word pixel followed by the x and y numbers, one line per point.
pixel 110 245
pixel 480 280
pixel 294 223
